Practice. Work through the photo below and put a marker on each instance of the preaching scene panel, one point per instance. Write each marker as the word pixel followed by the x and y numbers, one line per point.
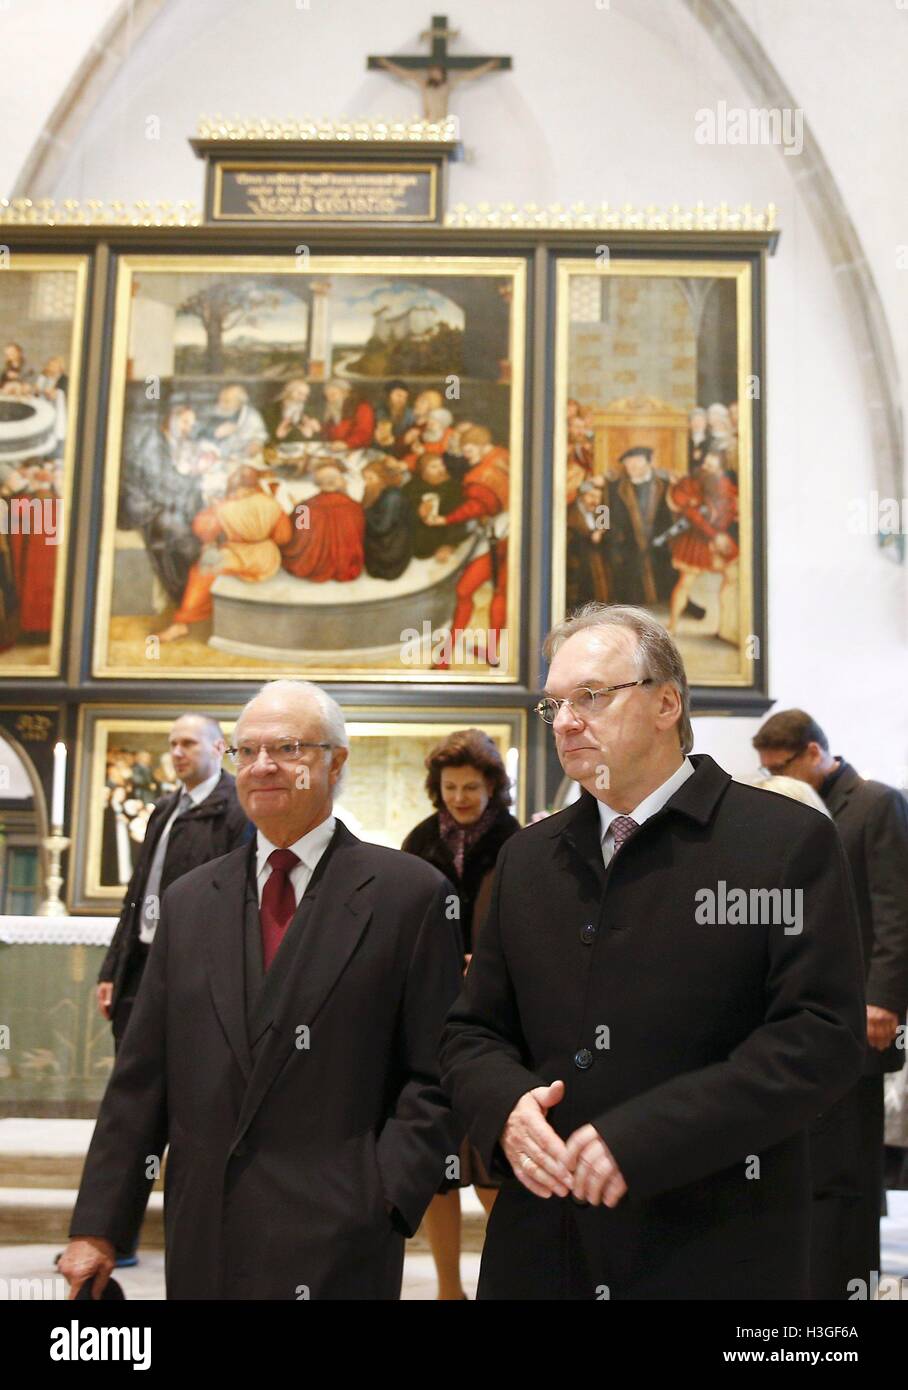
pixel 314 470
pixel 654 453
pixel 41 325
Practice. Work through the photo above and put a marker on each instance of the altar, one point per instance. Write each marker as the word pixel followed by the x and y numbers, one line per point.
pixel 56 1051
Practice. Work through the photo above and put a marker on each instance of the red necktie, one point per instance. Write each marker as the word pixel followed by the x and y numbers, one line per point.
pixel 278 902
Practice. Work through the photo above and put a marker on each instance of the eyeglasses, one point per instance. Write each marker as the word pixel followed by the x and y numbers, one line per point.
pixel 285 752
pixel 582 700
pixel 764 771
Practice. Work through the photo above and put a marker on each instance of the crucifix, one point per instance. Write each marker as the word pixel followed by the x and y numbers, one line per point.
pixel 437 73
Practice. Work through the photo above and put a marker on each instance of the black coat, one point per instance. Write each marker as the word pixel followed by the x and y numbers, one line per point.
pixel 202 833
pixel 285 1144
pixel 426 841
pixel 160 502
pixel 388 540
pixel 872 820
pixel 641 572
pixel 693 1049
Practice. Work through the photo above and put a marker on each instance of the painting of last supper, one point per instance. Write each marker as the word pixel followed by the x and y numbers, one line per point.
pixel 313 462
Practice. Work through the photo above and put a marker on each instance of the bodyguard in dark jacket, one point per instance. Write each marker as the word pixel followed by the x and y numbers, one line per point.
pixel 665 992
pixel 847 1139
pixel 202 820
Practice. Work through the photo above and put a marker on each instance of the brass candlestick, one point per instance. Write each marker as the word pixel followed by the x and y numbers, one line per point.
pixel 55 843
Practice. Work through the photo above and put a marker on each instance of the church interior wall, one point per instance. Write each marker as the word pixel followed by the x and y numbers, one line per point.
pixel 600 104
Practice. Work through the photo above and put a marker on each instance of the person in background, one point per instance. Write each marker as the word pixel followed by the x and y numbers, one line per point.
pixel 468 785
pixel 846 1141
pixel 199 821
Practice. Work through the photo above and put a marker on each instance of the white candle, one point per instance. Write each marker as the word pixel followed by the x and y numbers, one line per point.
pixel 59 796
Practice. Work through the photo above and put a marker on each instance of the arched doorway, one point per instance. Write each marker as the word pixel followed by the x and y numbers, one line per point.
pixel 23 827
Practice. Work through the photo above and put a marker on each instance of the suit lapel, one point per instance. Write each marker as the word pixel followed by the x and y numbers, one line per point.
pixel 223 933
pixel 321 938
pixel 581 831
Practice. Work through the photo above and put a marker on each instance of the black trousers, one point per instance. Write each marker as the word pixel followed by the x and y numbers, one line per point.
pixel 127 997
pixel 132 978
pixel 846 1169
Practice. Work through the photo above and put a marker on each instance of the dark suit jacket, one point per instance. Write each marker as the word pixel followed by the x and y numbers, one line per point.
pixel 291 1122
pixel 202 833
pixel 872 820
pixel 723 1042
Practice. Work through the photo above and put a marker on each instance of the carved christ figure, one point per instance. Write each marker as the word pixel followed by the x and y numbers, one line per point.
pixel 435 83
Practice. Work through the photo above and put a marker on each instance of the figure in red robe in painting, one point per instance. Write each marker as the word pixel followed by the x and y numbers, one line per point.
pixel 708 500
pixel 327 532
pixel 242 534
pixel 485 505
pixel 347 419
pixel 28 553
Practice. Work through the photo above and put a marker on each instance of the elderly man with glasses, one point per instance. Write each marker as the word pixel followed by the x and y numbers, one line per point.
pixel 284 1044
pixel 665 992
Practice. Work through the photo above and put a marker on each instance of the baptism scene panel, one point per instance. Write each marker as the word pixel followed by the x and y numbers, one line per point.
pixel 313 466
pixel 654 465
pixel 42 311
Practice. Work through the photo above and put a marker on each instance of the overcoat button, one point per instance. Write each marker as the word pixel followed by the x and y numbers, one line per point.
pixel 588 933
pixel 583 1059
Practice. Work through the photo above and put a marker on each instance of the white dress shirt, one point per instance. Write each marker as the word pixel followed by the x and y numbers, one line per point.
pixel 308 849
pixel 648 807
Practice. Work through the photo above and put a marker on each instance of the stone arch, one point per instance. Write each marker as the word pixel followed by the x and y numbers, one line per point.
pixel 864 310
pixel 42 825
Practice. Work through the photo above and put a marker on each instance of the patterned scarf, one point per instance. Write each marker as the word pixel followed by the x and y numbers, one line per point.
pixel 460 839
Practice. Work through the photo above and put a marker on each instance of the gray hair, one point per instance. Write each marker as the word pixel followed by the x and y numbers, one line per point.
pixel 334 729
pixel 656 654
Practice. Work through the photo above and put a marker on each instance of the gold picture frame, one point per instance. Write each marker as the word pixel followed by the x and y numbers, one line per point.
pixel 627 375
pixel 42 482
pixel 424 616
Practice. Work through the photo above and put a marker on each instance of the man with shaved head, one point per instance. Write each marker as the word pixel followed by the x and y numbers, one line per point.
pixel 284 1044
pixel 199 821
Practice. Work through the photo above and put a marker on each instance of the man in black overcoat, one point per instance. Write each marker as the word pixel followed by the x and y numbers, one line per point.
pixel 846 1141
pixel 198 822
pixel 284 1043
pixel 666 990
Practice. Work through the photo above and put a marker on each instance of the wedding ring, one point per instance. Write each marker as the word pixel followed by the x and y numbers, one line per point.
pixel 526 1161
